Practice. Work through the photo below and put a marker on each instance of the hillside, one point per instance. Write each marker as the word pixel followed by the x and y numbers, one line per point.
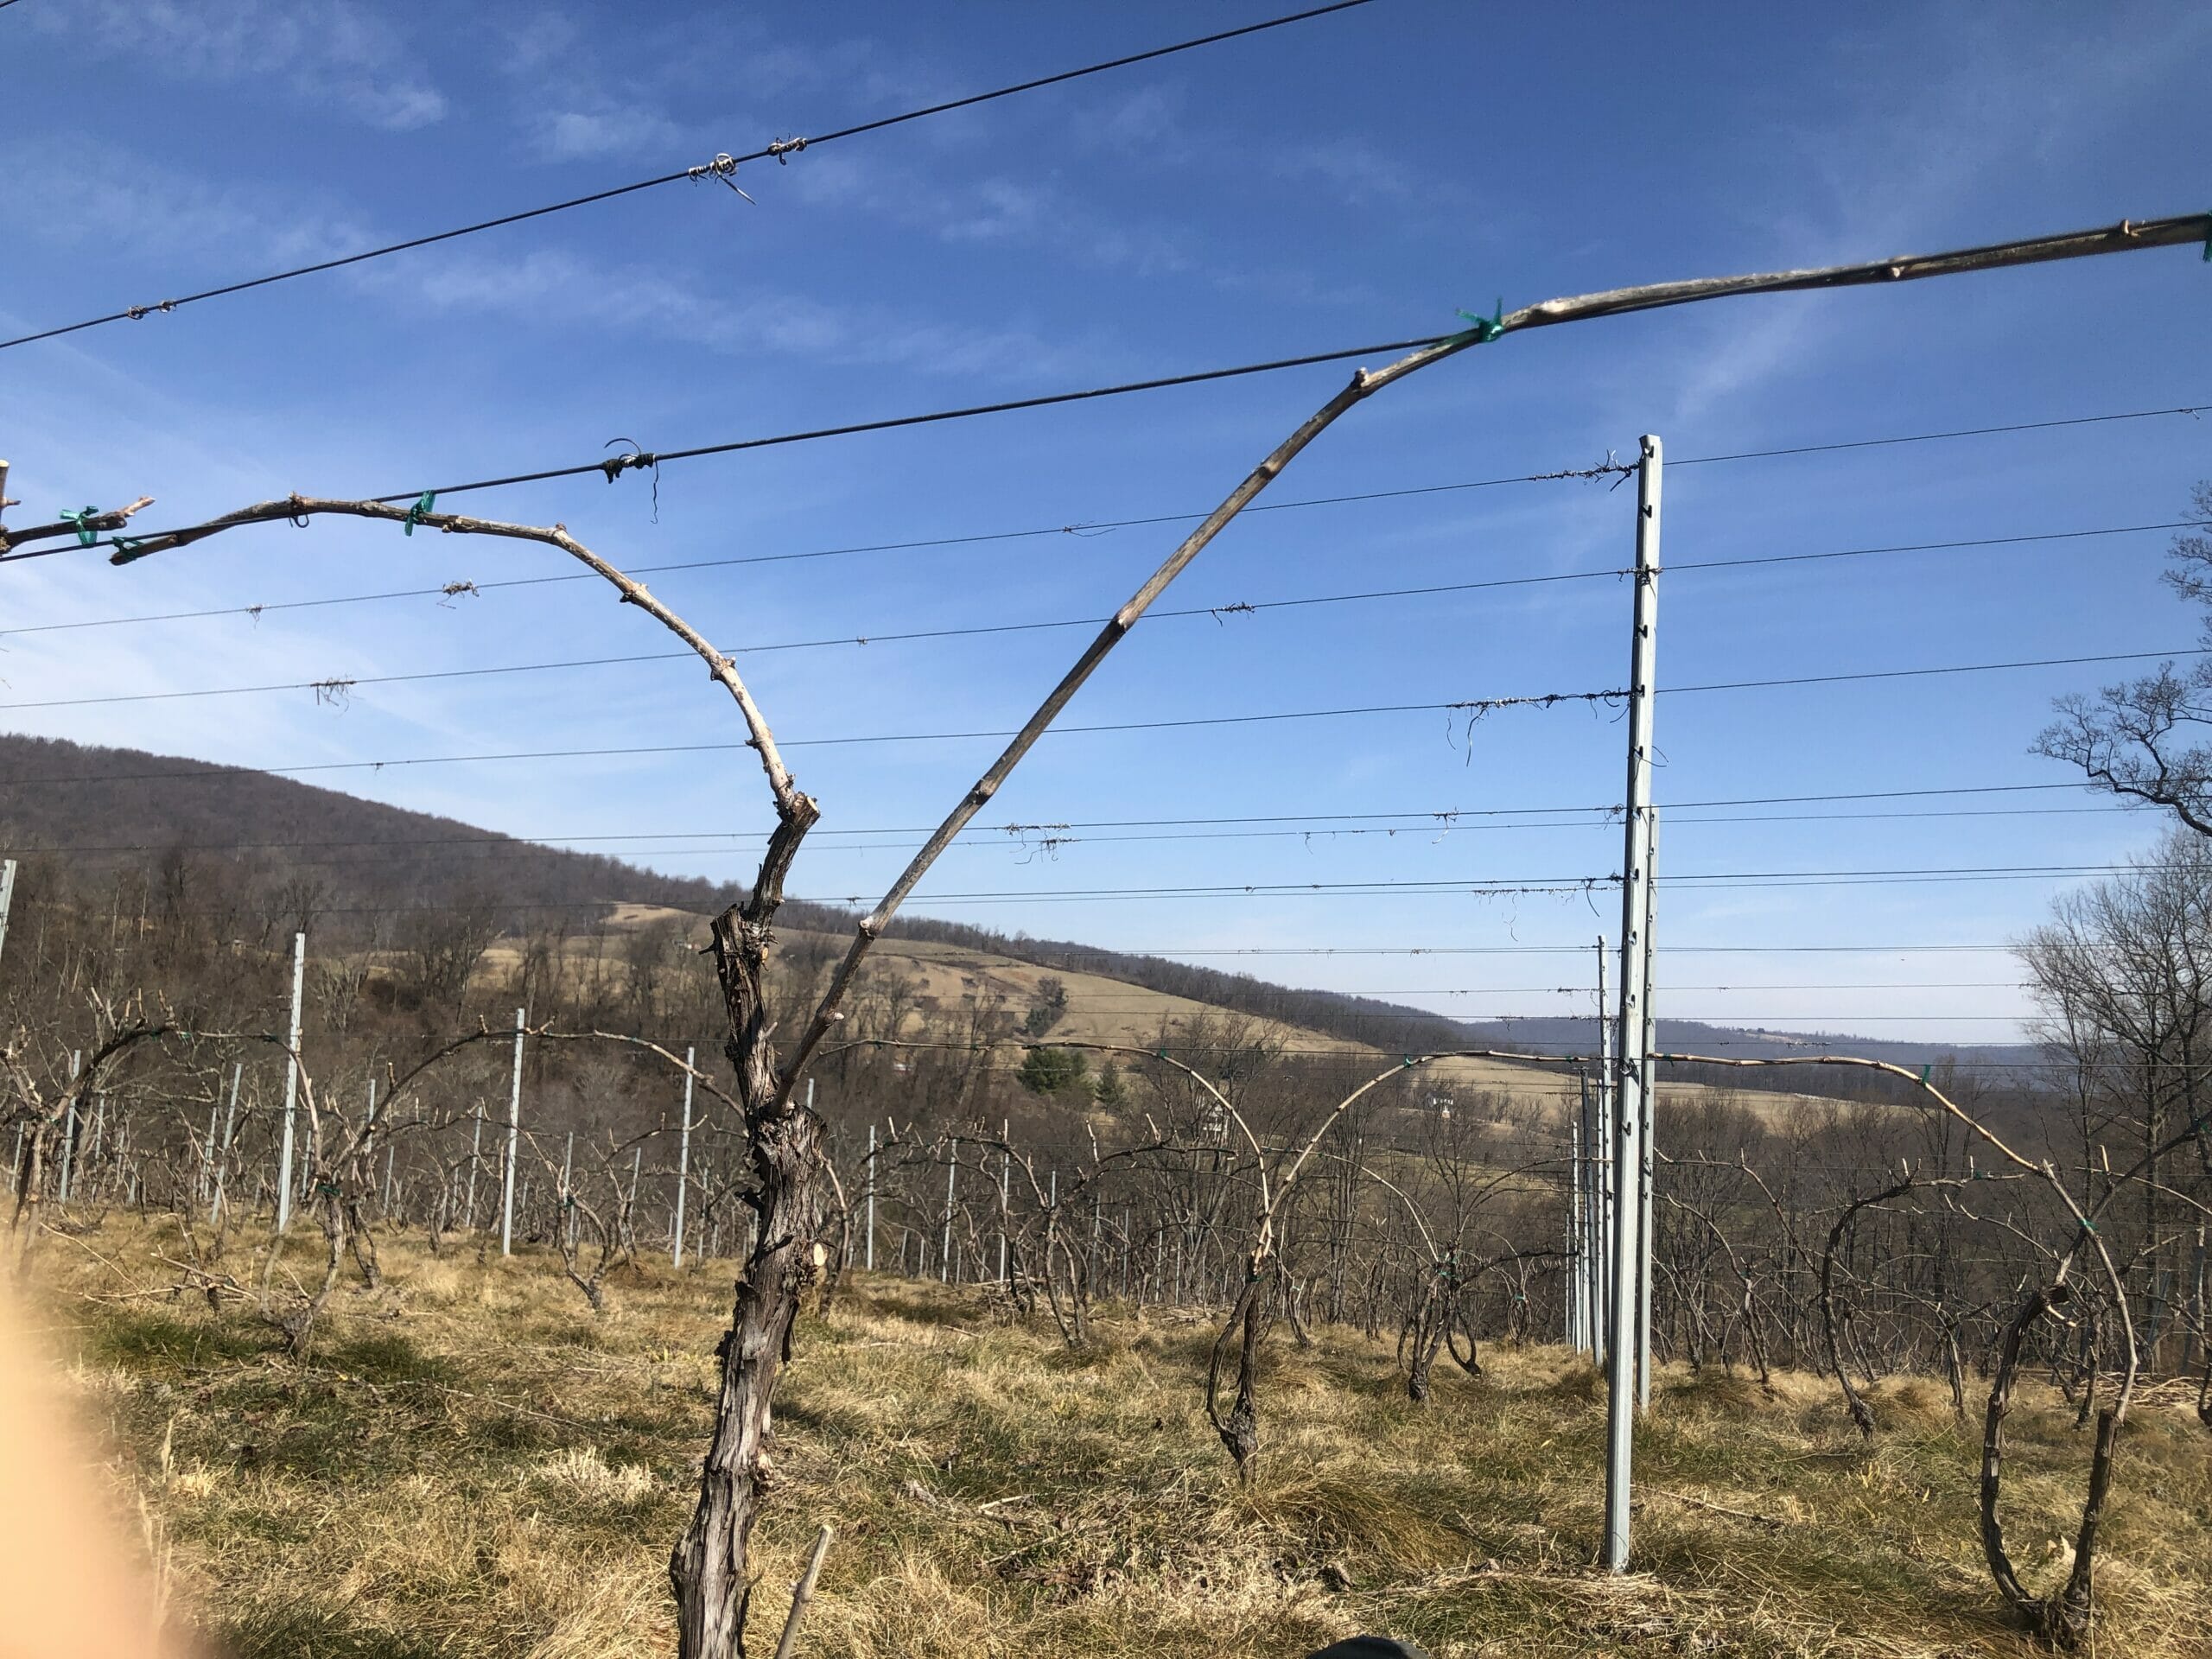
pixel 342 857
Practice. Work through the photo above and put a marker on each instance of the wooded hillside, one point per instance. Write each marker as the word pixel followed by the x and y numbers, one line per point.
pixel 290 849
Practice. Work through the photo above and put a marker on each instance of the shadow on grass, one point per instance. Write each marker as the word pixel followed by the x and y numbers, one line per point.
pixel 299 1632
pixel 387 1356
pixel 141 1339
pixel 1730 1393
pixel 917 1306
pixel 1101 1349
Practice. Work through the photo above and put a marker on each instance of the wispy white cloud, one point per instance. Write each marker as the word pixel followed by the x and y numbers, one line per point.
pixel 557 290
pixel 331 53
pixel 543 40
pixel 992 209
pixel 1148 119
pixel 1280 285
pixel 998 210
pixel 575 134
pixel 68 191
pixel 1989 107
pixel 683 79
pixel 572 97
pixel 1151 125
pixel 1970 112
pixel 52 191
pixel 1358 171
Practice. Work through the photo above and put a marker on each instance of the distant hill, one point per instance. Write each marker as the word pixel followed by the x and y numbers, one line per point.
pixel 119 808
pixel 109 808
pixel 1739 1042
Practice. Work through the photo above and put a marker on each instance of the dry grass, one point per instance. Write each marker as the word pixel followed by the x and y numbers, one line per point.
pixel 472 1464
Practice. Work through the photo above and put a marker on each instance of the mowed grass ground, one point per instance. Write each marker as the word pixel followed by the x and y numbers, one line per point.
pixel 470 1462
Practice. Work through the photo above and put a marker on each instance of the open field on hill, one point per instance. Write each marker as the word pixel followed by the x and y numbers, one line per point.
pixel 951 979
pixel 469 1463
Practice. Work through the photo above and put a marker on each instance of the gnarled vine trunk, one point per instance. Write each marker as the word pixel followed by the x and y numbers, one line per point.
pixel 2061 1619
pixel 1239 1427
pixel 707 1568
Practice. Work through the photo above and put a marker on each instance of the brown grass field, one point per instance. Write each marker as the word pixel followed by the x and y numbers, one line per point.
pixel 469 1463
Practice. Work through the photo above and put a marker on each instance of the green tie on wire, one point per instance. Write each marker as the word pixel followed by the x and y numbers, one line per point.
pixel 1486 329
pixel 423 502
pixel 85 534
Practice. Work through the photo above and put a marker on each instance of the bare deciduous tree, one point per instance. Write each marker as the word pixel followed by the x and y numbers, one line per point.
pixel 2150 739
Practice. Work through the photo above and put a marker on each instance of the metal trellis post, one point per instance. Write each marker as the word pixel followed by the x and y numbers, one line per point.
pixel 69 1130
pixel 1576 1255
pixel 514 1142
pixel 206 1176
pixel 1648 1106
pixel 1635 872
pixel 1603 1186
pixel 683 1154
pixel 291 1085
pixel 475 1163
pixel 951 1174
pixel 223 1152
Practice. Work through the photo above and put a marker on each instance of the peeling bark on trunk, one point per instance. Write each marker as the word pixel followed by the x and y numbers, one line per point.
pixel 1240 1429
pixel 707 1568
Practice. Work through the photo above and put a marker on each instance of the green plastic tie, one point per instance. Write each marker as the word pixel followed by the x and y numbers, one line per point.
pixel 1408 1058
pixel 128 547
pixel 85 534
pixel 1486 329
pixel 2089 1226
pixel 423 502
pixel 1925 1071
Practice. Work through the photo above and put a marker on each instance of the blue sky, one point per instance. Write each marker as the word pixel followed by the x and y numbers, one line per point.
pixel 1354 178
